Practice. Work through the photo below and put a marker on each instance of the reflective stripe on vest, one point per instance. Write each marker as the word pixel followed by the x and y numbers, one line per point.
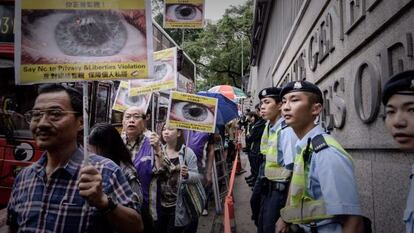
pixel 264 140
pixel 273 170
pixel 302 208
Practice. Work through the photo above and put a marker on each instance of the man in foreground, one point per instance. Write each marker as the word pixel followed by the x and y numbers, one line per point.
pixel 398 99
pixel 58 193
pixel 323 195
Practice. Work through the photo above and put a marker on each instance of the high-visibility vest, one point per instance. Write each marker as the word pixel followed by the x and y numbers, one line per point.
pixel 273 170
pixel 264 139
pixel 302 208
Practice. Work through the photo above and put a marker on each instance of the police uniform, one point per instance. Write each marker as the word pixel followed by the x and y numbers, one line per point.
pixel 323 183
pixel 403 84
pixel 277 146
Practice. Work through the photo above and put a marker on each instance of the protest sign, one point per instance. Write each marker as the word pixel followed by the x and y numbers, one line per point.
pixel 67 41
pixel 165 74
pixel 184 14
pixel 124 101
pixel 192 112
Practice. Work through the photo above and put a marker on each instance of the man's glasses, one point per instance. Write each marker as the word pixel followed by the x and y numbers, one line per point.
pixel 134 116
pixel 51 114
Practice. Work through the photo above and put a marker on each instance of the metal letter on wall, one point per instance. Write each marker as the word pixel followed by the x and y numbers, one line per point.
pixel 339 104
pixel 374 81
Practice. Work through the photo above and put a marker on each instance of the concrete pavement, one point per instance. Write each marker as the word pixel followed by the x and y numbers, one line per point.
pixel 242 211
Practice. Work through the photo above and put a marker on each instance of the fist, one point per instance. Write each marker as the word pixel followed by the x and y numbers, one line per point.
pixel 184 171
pixel 155 141
pixel 90 187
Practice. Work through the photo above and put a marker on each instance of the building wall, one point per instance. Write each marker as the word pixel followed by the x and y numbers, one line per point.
pixel 350 48
pixel 282 17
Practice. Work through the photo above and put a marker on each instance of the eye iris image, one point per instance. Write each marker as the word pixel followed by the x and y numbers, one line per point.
pixel 160 70
pixel 185 12
pixel 194 112
pixel 134 100
pixel 91 34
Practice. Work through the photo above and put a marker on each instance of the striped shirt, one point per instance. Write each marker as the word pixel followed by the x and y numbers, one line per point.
pixel 41 204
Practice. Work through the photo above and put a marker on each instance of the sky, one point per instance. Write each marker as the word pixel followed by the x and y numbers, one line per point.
pixel 215 8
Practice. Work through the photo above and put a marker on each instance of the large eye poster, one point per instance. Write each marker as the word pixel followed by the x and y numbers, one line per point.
pixel 192 112
pixel 123 100
pixel 165 74
pixel 184 14
pixel 72 40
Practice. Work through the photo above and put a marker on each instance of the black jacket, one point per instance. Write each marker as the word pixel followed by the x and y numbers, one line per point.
pixel 253 140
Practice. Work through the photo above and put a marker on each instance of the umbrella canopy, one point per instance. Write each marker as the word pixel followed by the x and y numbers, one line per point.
pixel 226 109
pixel 233 93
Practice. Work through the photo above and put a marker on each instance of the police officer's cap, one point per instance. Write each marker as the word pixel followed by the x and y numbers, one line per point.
pixel 272 92
pixel 302 86
pixel 401 83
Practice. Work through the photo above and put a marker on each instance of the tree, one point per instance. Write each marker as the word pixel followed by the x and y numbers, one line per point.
pixel 217 49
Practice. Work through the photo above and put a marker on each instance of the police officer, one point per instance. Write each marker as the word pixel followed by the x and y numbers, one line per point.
pixel 398 99
pixel 277 146
pixel 323 194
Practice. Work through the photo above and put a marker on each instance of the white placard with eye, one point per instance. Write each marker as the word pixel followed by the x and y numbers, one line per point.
pixel 70 41
pixel 123 101
pixel 184 13
pixel 192 112
pixel 165 74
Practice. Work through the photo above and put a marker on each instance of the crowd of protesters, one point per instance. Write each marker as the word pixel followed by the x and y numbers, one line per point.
pixel 132 182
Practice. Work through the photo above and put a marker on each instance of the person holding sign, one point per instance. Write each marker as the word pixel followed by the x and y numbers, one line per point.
pixel 58 193
pixel 179 165
pixel 144 146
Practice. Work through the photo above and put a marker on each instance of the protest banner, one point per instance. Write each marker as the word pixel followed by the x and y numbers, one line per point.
pixel 165 74
pixel 184 14
pixel 192 112
pixel 68 41
pixel 124 101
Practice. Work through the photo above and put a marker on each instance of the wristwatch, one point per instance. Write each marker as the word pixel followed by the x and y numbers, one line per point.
pixel 111 206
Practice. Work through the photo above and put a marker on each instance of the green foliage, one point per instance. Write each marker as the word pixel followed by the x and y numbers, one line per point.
pixel 217 48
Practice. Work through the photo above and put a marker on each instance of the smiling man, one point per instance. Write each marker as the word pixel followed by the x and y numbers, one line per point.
pixel 323 195
pixel 59 194
pixel 398 98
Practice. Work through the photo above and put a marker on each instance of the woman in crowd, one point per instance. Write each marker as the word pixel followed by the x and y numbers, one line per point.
pixel 105 140
pixel 179 166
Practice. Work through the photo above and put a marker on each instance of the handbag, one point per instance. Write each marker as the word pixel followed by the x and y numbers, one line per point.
pixel 194 197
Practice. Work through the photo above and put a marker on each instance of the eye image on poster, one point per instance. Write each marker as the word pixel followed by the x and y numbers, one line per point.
pixel 193 112
pixel 165 74
pixel 184 14
pixel 66 41
pixel 123 101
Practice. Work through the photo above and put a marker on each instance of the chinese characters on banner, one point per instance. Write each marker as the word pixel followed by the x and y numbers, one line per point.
pixel 68 41
pixel 192 112
pixel 184 14
pixel 165 74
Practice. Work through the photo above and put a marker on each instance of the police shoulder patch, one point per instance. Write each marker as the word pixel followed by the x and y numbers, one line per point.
pixel 319 143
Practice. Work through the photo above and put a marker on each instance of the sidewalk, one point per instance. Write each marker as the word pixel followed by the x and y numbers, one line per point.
pixel 242 211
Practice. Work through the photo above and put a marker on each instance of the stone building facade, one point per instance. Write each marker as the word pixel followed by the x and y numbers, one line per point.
pixel 349 48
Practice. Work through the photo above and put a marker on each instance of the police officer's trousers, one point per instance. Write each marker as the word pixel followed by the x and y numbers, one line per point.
pixel 273 199
pixel 256 198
